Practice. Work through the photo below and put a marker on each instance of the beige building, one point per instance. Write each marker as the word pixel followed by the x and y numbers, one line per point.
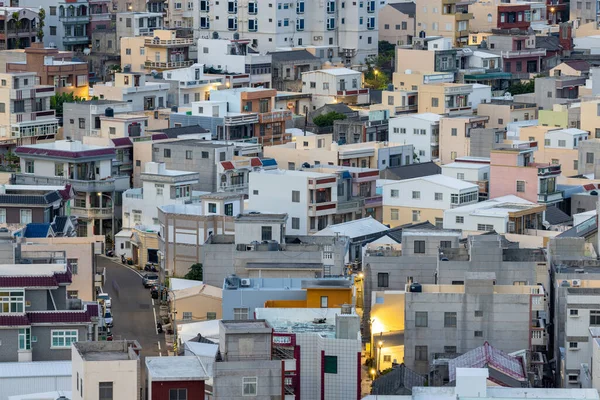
pixel 163 51
pixel 485 17
pixel 455 135
pixel 144 244
pixel 447 18
pixel 197 303
pixel 590 117
pixel 81 258
pixel 571 68
pixel 419 61
pixel 501 112
pixel 397 23
pixel 445 98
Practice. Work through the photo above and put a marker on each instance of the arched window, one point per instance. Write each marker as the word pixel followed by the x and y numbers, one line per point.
pixel 489 17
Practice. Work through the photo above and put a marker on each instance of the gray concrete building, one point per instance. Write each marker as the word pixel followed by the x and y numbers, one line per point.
pixel 589 157
pixel 557 90
pixel 288 67
pixel 194 155
pixel 85 116
pixel 453 319
pixel 483 141
pixel 582 202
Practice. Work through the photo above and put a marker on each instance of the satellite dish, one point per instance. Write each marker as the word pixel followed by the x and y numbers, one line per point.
pixel 87 51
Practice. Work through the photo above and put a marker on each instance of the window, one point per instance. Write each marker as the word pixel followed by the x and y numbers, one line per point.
pixel 419 246
pixel 434 102
pixel 266 233
pixel 73 263
pixel 167 153
pixel 295 223
pixel 421 319
pixel 25 216
pixel 485 227
pixel 295 196
pixel 252 25
pixel 454 132
pixel 105 391
pixel 573 345
pixel 2 216
pixel 232 23
pixel 416 195
pixel 19 106
pixel 291 166
pixel 445 244
pixel 520 186
pixel 574 312
pixel 478 334
pixel 324 301
pixel 594 317
pixel 546 142
pixel 383 279
pixel 212 208
pixel 249 386
pixel 177 394
pixel 420 353
pixel 331 365
pixel 460 175
pixel 52 30
pixel 25 339
pixel 416 215
pixel 188 154
pixel 478 313
pixel 330 24
pixel 562 143
pixel 449 320
pixel 240 313
pixel 62 339
pixel 187 315
pixel 394 215
pixel 300 7
pixel 300 24
pixel 500 121
pixel 393 192
pixel 438 196
pixel 12 301
pixel 589 158
pixel 459 220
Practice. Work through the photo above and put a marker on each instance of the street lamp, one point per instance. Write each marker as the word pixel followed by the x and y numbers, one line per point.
pixel 380 345
pixel 112 224
pixel 373 372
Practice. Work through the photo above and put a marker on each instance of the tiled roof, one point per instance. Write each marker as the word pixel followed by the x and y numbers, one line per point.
pixel 37 230
pixel 69 317
pixel 160 136
pixel 407 8
pixel 227 165
pixel 269 162
pixel 555 216
pixel 255 162
pixel 29 199
pixel 578 65
pixel 59 223
pixel 487 356
pixel 36 281
pixel 589 186
pixel 62 153
pixel 13 320
pixel 294 55
pixel 411 171
pixel 67 192
pixel 122 142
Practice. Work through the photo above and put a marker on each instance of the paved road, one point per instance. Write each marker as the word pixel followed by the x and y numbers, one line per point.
pixel 132 307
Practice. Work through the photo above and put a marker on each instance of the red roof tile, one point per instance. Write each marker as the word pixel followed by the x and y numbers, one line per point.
pixel 589 186
pixel 64 153
pixel 14 320
pixel 67 193
pixel 36 281
pixel 255 162
pixel 67 316
pixel 122 142
pixel 160 136
pixel 227 165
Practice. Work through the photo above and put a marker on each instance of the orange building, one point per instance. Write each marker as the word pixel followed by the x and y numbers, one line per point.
pixel 320 293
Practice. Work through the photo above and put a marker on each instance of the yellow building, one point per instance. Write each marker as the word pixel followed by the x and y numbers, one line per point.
pixel 387 316
pixel 445 98
pixel 445 18
pixel 590 118
pixel 145 245
pixel 163 51
pixel 455 137
pixel 198 303
pixel 320 293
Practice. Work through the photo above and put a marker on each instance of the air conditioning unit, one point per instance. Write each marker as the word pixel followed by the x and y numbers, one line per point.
pixel 245 282
pixel 317 37
pixel 250 247
pixel 576 282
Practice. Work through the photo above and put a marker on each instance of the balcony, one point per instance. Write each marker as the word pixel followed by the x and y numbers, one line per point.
pixel 523 53
pixel 168 43
pixel 43 116
pixel 274 116
pixel 101 17
pixel 347 206
pixel 106 185
pixel 463 16
pixel 70 40
pixel 92 213
pixel 538 337
pixel 320 209
pixel 74 19
pixel 241 188
pixel 406 109
pixel 375 201
pixel 554 197
pixel 240 119
pixel 547 169
pixel 354 92
pixel 168 65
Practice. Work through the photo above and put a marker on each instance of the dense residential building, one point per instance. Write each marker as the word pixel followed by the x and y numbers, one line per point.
pixel 133 88
pixel 288 67
pixel 471 169
pixel 397 23
pixel 448 19
pixel 18 32
pixel 335 85
pixel 457 137
pixel 161 52
pixel 420 130
pixel 22 204
pixel 519 53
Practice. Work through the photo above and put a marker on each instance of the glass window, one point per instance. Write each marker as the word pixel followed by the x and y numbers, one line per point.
pixel 178 394
pixel 250 386
pixel 421 319
pixel 73 265
pixel 449 320
pixel 64 338
pixel 167 153
pixel 25 339
pixel 394 193
pixel 460 220
pixel 105 391
pixel 331 365
pixel 295 196
pixel 416 195
pixel 419 246
pixel 439 196
pixel 12 301
pixel 420 353
pixel 394 215
pixel 188 154
pixel 594 317
pixel 295 223
pixel 212 208
pixel 229 209
pixel 383 279
pixel 240 313
pixel 187 315
pixel 3 215
pixel 266 233
pixel 25 216
pixel 520 186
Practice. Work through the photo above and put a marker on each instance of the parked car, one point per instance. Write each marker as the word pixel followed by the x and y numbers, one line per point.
pixel 108 319
pixel 104 298
pixel 150 280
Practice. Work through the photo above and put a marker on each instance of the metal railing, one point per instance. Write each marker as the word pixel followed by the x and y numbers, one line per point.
pixel 168 42
pixel 275 116
pixel 107 185
pixel 92 213
pixel 171 64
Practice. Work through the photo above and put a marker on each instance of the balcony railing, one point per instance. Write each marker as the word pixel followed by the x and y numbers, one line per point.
pixel 275 116
pixel 233 188
pixel 550 197
pixel 242 119
pixel 101 17
pixel 168 65
pixel 348 206
pixel 523 53
pixel 373 201
pixel 76 39
pixel 463 16
pixel 107 185
pixel 92 213
pixel 42 116
pixel 405 109
pixel 325 208
pixel 168 42
pixel 74 19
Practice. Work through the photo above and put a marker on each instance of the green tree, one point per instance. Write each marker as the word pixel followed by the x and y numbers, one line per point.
pixel 327 119
pixel 17 25
pixel 57 101
pixel 41 24
pixel 195 272
pixel 522 87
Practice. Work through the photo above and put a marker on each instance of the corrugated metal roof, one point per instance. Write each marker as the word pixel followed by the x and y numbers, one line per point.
pixel 489 356
pixel 34 369
pixel 354 229
pixel 269 162
pixel 37 230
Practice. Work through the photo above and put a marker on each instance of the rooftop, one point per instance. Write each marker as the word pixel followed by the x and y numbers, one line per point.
pixel 294 55
pixel 35 369
pixel 303 173
pixel 186 368
pixel 466 165
pixel 336 71
pixel 410 171
pixel 407 8
pixel 65 149
pixel 120 350
pixel 302 320
pixel 498 207
pixel 354 229
pixel 258 325
pixel 196 143
pixel 441 180
pixel 182 209
pixel 424 116
pixel 253 217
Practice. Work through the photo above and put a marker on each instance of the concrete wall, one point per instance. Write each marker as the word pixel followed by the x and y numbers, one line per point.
pixel 583 201
pixel 228 379
pixel 253 299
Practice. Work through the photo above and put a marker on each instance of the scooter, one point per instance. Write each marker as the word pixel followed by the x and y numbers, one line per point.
pixel 123 259
pixel 110 253
pixel 159 328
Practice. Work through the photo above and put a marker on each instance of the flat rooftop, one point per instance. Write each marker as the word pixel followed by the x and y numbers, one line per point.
pixel 186 368
pixel 120 350
pixel 302 320
pixel 246 326
pixel 31 269
pixel 253 217
pixel 196 143
pixel 305 173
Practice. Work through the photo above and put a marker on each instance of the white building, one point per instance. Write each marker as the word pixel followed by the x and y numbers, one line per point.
pixel 132 87
pixel 480 94
pixel 52 37
pixel 193 84
pixel 332 29
pixel 420 130
pixel 105 369
pixel 500 215
pixel 329 351
pixel 309 198
pixel 22 378
pixel 236 57
pixel 564 138
pixel 335 85
pixel 132 24
pixel 470 169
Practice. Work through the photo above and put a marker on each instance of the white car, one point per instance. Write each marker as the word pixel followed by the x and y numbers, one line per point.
pixel 108 319
pixel 104 298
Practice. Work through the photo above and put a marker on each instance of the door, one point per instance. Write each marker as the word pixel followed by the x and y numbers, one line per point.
pixel 324 301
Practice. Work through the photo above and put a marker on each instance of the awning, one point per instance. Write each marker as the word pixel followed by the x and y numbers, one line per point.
pixel 491 75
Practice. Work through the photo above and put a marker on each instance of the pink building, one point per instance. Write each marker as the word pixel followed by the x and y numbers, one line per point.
pixel 513 171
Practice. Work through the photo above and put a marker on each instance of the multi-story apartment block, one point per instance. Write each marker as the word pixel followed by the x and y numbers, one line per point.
pixel 237 57
pixel 558 90
pixel 520 57
pixel 455 136
pixel 489 15
pixel 420 130
pixel 189 84
pixel 425 199
pixel 54 68
pixel 501 112
pixel 471 169
pixel 461 317
pixel 335 85
pixel 513 171
pixel 75 18
pixel 89 171
pixel 288 67
pixel 506 214
pixel 133 88
pixel 161 52
pixel 18 33
pixel 178 15
pixel 446 98
pixel 54 30
pixel 583 12
pixel 25 114
pixel 397 23
pixel 333 30
pixel 39 321
pixel 309 198
pixel 87 117
pixel 133 24
pixel 445 18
